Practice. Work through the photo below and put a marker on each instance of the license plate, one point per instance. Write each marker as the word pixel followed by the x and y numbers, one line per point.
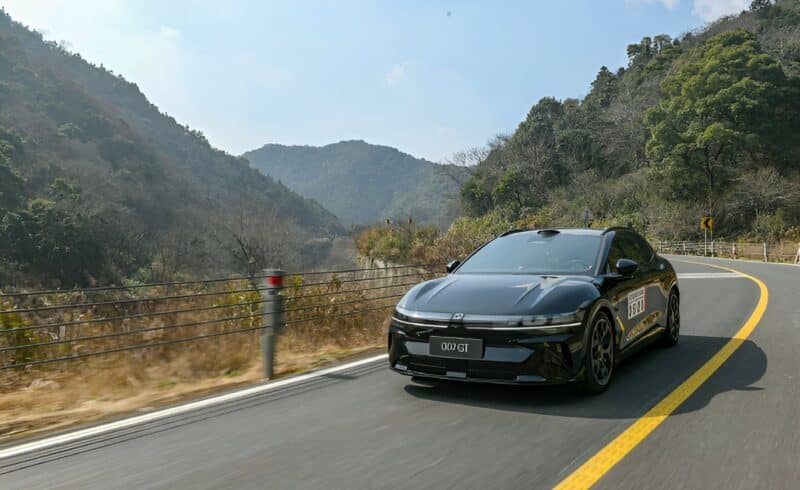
pixel 458 348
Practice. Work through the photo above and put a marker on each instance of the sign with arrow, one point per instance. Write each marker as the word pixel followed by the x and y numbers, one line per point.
pixel 707 224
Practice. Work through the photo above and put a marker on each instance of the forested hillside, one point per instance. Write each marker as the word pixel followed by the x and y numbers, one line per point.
pixel 363 183
pixel 705 124
pixel 708 123
pixel 96 184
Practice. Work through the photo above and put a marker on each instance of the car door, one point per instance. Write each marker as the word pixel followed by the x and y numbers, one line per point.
pixel 630 294
pixel 652 270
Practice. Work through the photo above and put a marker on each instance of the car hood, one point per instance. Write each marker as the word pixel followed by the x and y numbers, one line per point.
pixel 501 294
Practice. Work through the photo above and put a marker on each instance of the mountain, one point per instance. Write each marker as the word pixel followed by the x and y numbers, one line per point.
pixel 96 183
pixel 704 124
pixel 363 183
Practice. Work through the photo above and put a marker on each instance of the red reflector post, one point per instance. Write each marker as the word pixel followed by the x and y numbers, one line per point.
pixel 275 280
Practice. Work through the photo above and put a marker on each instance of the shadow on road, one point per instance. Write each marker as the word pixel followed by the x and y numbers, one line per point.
pixel 639 383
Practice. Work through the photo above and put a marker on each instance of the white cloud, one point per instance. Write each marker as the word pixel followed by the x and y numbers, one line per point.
pixel 710 10
pixel 169 32
pixel 396 74
pixel 670 4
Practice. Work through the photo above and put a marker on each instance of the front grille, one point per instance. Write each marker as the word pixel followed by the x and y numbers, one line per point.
pixel 490 370
pixel 427 367
pixel 473 369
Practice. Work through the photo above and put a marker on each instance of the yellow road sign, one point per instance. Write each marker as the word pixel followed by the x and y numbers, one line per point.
pixel 707 223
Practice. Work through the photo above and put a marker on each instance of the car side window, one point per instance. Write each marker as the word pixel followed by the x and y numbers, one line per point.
pixel 644 250
pixel 614 254
pixel 628 246
pixel 635 248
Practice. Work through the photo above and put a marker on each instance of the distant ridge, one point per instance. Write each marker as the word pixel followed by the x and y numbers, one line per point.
pixel 363 183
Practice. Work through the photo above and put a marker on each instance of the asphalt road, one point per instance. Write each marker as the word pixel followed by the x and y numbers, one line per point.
pixel 369 428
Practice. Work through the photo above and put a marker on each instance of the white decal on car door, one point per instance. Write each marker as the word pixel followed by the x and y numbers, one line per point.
pixel 636 303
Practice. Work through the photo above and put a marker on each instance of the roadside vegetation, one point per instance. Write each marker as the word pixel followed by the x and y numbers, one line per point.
pixel 705 124
pixel 344 319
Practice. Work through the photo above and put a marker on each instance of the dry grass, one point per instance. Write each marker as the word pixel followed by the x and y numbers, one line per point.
pixel 53 396
pixel 62 399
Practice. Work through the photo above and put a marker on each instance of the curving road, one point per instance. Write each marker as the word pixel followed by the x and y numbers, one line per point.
pixel 365 427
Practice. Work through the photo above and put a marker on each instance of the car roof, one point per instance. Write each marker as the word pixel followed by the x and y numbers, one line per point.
pixel 568 231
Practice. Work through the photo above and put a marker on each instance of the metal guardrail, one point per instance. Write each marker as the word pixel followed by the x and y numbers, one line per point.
pixel 766 252
pixel 39 328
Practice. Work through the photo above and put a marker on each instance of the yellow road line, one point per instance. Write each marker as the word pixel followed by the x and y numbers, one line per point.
pixel 598 465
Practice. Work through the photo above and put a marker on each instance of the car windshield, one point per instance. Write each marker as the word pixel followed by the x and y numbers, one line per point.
pixel 536 253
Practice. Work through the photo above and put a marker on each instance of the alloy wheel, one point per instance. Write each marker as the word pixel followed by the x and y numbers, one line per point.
pixel 674 317
pixel 602 350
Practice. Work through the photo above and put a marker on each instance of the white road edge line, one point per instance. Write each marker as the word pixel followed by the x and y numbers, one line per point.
pixel 160 414
pixel 708 275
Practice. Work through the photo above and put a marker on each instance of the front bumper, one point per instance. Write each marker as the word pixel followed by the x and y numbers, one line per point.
pixel 508 357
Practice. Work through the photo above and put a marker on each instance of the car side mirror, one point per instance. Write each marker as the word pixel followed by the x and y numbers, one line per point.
pixel 451 266
pixel 626 267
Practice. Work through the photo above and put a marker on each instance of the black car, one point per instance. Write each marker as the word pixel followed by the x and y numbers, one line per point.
pixel 539 307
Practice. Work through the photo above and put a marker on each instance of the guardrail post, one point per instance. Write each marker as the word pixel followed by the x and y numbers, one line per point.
pixel 765 251
pixel 272 310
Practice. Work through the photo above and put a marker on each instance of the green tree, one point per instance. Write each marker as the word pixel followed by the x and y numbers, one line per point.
pixel 52 243
pixel 12 184
pixel 661 42
pixel 11 187
pixel 642 51
pixel 604 88
pixel 727 105
pixel 514 193
pixel 475 196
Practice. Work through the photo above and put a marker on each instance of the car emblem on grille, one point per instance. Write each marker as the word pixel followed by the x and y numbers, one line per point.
pixel 457 316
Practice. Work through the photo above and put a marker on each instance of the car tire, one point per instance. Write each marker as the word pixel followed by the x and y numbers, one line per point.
pixel 600 358
pixel 673 331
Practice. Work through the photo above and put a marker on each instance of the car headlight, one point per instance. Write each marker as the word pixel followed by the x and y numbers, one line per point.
pixel 553 325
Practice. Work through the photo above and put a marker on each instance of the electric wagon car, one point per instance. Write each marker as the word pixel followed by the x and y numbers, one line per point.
pixel 539 307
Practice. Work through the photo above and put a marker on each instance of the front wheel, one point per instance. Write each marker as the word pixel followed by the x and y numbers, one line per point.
pixel 599 361
pixel 673 331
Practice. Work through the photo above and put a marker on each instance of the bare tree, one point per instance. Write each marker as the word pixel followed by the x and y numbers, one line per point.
pixel 469 157
pixel 461 165
pixel 255 241
pixel 764 190
pixel 178 251
pixel 499 141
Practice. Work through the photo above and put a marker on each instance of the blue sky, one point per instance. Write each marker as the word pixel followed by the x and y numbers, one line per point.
pixel 428 77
